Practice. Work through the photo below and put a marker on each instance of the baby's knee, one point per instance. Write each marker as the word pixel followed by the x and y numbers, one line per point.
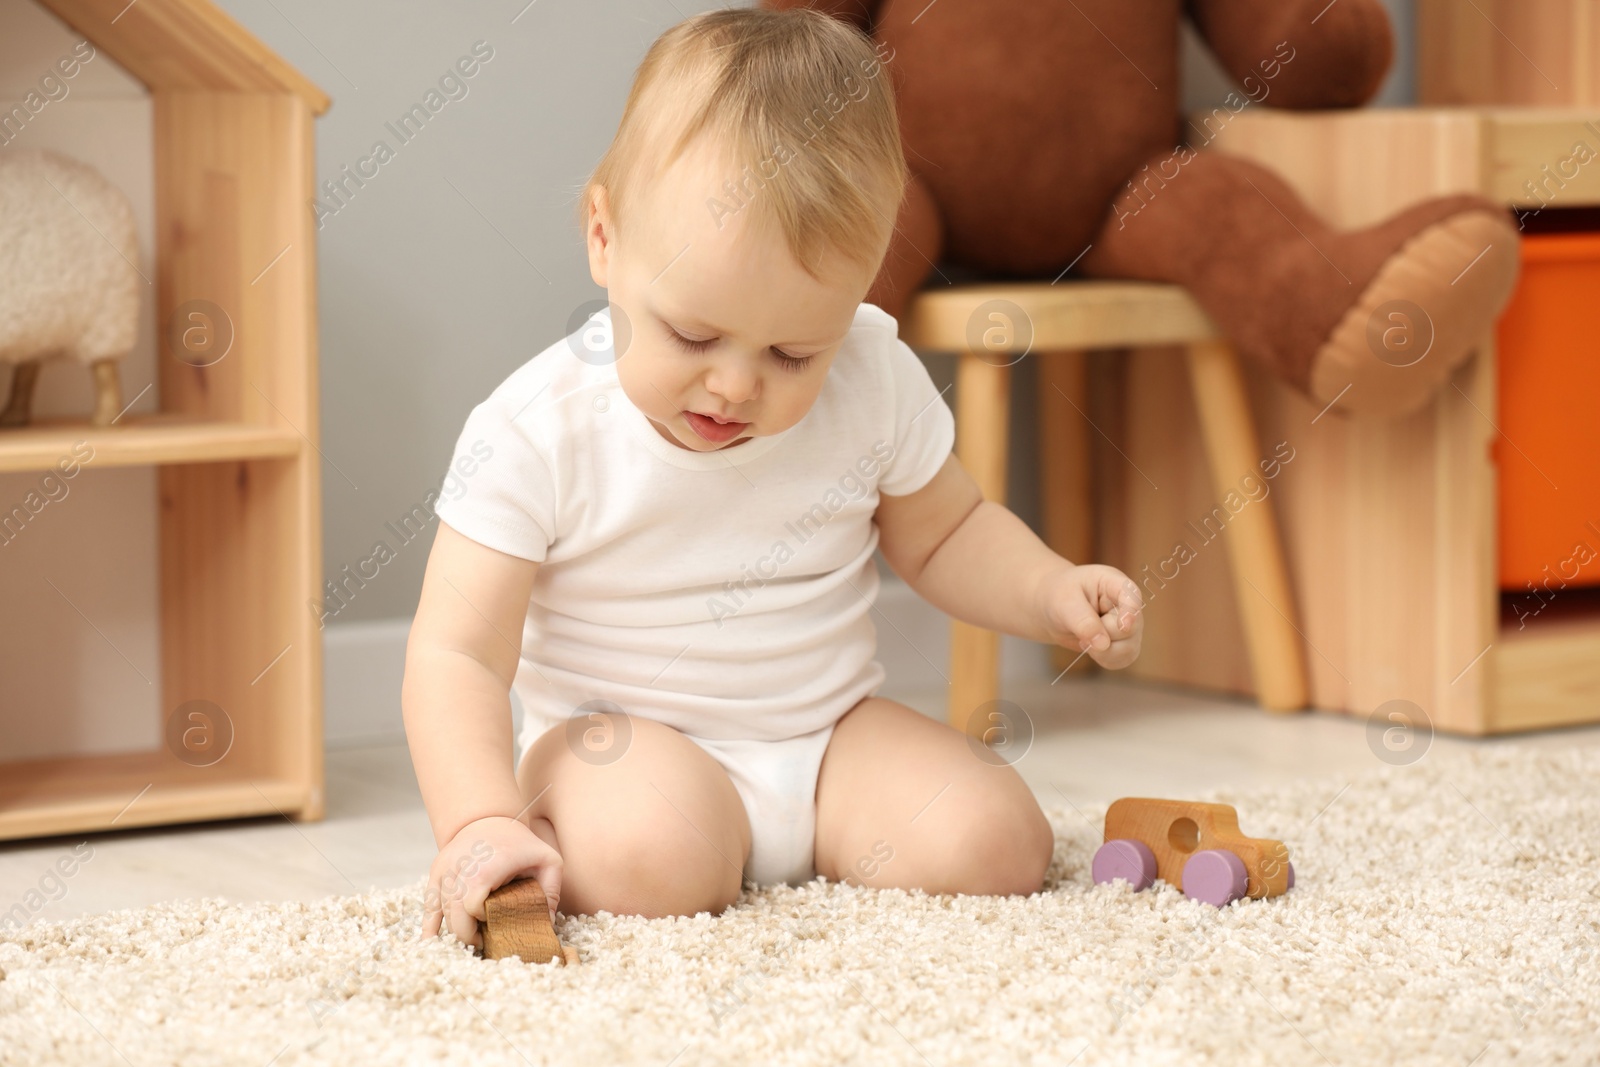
pixel 1000 845
pixel 650 870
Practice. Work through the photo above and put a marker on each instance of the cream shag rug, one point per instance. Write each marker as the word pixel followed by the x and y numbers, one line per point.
pixel 1446 912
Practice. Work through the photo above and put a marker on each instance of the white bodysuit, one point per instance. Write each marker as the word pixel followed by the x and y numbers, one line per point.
pixel 726 593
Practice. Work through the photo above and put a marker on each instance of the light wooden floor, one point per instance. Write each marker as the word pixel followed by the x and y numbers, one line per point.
pixel 1095 740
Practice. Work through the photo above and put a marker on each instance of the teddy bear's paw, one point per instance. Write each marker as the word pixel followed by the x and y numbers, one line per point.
pixel 1424 312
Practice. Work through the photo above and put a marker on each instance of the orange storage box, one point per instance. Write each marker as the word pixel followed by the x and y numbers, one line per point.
pixel 1548 450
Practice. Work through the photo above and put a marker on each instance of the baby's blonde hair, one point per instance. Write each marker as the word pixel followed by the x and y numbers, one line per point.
pixel 800 107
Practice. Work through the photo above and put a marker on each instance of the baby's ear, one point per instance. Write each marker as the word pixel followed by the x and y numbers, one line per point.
pixel 859 13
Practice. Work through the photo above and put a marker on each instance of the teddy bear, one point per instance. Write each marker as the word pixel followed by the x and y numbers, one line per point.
pixel 1046 135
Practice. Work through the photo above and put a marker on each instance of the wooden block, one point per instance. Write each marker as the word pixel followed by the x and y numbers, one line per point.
pixel 518 923
pixel 1176 829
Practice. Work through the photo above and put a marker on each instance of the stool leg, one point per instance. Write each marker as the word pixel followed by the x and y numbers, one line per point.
pixel 983 397
pixel 1260 575
pixel 1065 491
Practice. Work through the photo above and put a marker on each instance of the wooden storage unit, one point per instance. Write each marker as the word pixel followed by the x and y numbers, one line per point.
pixel 1389 525
pixel 1539 53
pixel 235 442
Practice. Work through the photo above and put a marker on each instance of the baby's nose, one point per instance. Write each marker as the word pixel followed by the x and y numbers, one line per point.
pixel 734 382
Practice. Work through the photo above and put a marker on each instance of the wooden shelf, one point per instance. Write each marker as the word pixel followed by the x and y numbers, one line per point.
pixel 1547 672
pixel 237 494
pixel 143 439
pixel 41 798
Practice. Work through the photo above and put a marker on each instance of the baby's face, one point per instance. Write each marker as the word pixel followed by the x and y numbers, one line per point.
pixel 725 324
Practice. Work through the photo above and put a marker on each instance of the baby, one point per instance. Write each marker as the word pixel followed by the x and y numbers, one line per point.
pixel 661 530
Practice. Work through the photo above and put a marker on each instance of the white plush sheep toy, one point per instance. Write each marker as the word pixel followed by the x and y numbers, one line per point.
pixel 68 282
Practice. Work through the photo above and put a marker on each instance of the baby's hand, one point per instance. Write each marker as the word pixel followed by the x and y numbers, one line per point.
pixel 483 856
pixel 1095 609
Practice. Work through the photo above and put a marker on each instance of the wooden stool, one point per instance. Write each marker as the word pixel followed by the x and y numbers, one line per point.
pixel 991 327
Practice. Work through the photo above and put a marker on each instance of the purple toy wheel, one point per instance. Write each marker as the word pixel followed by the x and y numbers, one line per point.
pixel 1291 877
pixel 1124 858
pixel 1214 876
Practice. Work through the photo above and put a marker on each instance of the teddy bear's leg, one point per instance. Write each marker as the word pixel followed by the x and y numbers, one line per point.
pixel 913 250
pixel 18 407
pixel 1370 321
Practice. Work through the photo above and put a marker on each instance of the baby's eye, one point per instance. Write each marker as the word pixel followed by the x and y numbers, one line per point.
pixel 793 363
pixel 790 363
pixel 693 346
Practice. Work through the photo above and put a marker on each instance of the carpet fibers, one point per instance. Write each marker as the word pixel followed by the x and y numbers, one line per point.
pixel 1446 912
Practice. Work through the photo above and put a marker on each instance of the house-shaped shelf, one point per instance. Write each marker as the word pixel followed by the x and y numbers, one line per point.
pixel 234 442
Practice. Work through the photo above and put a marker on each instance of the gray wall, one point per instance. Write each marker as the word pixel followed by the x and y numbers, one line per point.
pixel 460 259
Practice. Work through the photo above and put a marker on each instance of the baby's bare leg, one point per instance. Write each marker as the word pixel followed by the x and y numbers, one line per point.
pixel 904 802
pixel 648 824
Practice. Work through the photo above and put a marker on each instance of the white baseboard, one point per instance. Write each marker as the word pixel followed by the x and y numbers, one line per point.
pixel 364 662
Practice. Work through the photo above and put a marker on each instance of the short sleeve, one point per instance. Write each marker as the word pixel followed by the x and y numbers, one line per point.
pixel 924 427
pixel 499 489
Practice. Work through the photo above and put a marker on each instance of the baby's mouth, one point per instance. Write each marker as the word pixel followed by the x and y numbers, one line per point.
pixel 712 430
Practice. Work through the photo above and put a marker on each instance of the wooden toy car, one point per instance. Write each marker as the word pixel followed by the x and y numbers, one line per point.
pixel 517 922
pixel 1195 846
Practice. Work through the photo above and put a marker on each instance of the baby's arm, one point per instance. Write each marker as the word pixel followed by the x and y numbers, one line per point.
pixel 976 561
pixel 461 657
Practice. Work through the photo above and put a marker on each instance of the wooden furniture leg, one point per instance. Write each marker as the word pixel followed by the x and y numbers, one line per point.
pixel 1260 573
pixel 983 395
pixel 1066 498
